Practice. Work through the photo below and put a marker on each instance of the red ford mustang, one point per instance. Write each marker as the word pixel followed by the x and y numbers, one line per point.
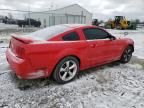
pixel 61 51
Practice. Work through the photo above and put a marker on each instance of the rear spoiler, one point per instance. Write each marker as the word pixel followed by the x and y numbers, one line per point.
pixel 22 39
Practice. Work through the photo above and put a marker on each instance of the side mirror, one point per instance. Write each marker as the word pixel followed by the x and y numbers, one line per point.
pixel 126 33
pixel 112 38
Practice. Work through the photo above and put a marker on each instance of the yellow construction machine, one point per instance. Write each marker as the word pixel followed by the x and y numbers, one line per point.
pixel 120 22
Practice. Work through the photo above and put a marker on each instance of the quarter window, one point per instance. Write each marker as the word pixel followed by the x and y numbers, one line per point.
pixel 71 37
pixel 95 33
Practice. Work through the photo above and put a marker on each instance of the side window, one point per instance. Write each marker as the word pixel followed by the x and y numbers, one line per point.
pixel 71 37
pixel 95 33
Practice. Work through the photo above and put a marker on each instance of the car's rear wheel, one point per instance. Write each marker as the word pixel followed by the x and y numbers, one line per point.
pixel 127 54
pixel 66 70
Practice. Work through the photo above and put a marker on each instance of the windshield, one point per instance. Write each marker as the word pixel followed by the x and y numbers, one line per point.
pixel 49 32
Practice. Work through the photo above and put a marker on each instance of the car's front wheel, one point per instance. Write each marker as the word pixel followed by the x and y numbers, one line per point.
pixel 127 54
pixel 66 70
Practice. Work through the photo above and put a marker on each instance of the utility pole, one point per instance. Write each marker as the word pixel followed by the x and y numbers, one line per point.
pixel 29 16
pixel 81 17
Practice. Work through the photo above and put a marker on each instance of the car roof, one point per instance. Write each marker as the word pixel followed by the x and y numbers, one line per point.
pixel 75 25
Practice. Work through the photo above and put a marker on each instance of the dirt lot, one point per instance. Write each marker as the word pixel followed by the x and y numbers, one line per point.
pixel 110 86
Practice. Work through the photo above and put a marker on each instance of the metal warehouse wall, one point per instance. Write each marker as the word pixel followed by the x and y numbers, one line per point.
pixel 55 19
pixel 66 19
pixel 66 15
pixel 75 9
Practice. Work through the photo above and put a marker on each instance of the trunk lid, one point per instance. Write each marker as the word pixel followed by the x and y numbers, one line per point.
pixel 17 44
pixel 24 40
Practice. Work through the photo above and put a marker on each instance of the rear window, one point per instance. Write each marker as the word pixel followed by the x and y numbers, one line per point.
pixel 49 32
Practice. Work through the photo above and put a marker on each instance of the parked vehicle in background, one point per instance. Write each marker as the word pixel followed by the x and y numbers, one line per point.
pixel 120 22
pixel 28 22
pixel 11 21
pixel 95 22
pixel 61 51
pixel 21 23
pixel 7 20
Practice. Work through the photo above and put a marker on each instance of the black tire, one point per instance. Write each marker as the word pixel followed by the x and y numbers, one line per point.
pixel 127 54
pixel 112 27
pixel 20 25
pixel 122 28
pixel 57 73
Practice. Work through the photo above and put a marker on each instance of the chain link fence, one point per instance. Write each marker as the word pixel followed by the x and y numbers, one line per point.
pixel 50 19
pixel 46 18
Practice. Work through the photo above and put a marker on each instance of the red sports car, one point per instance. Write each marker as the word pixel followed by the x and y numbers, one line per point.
pixel 61 51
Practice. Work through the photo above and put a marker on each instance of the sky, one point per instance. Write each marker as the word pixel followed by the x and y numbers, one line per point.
pixel 101 9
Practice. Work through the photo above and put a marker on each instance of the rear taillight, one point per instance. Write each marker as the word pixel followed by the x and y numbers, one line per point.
pixel 20 52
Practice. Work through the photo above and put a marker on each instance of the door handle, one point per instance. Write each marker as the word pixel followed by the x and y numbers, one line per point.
pixel 92 45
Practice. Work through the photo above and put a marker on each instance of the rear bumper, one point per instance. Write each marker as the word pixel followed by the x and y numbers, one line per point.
pixel 22 67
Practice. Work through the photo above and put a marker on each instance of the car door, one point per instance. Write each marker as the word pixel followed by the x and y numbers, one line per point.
pixel 101 47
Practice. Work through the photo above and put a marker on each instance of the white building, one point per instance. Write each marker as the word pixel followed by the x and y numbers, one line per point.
pixel 66 15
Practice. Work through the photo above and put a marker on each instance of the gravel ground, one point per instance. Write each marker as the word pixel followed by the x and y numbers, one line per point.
pixel 113 85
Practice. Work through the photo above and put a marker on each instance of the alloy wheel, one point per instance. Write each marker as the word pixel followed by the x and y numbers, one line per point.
pixel 127 55
pixel 68 70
